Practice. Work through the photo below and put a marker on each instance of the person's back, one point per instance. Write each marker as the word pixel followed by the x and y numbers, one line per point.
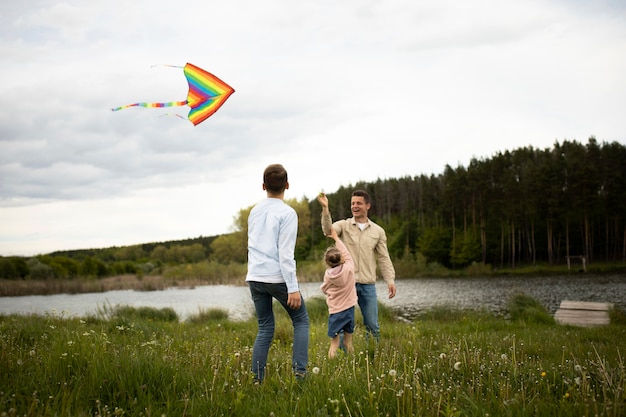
pixel 339 283
pixel 272 233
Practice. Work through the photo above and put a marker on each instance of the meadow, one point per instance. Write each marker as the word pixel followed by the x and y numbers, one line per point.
pixel 128 361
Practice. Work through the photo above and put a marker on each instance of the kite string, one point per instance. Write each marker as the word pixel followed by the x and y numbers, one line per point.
pixel 166 65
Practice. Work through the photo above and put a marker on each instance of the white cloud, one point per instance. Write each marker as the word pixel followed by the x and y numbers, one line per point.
pixel 337 92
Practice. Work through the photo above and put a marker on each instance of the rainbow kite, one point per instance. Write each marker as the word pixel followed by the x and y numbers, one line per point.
pixel 206 94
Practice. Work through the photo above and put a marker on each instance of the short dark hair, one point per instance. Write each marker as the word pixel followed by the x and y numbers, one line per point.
pixel 275 178
pixel 362 193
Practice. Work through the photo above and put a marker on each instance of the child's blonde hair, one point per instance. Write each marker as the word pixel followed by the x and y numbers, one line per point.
pixel 333 257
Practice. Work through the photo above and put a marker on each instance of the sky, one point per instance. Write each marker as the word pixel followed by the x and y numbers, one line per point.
pixel 336 91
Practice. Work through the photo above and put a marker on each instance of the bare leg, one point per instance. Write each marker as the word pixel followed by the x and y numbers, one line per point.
pixel 347 341
pixel 334 345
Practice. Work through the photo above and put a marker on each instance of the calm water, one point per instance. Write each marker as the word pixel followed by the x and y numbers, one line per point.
pixel 414 296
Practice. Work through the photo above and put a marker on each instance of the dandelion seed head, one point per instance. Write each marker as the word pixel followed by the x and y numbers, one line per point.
pixel 315 370
pixel 392 373
pixel 442 356
pixel 504 357
pixel 578 368
pixel 457 366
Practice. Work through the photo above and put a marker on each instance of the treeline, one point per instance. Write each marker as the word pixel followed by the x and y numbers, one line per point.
pixel 143 259
pixel 516 208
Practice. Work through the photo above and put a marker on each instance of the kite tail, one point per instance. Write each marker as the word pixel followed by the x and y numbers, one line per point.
pixel 170 104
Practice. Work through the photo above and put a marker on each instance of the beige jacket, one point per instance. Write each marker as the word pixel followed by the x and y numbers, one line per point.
pixel 367 247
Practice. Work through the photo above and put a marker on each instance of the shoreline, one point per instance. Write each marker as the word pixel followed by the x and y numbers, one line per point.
pixel 16 288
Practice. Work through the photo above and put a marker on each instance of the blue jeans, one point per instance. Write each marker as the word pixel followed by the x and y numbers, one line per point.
pixel 368 302
pixel 262 296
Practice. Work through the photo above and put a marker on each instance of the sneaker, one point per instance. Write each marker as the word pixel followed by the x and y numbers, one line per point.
pixel 300 376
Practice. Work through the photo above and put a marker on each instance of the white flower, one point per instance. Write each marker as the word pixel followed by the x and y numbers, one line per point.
pixel 457 366
pixel 315 370
pixel 392 373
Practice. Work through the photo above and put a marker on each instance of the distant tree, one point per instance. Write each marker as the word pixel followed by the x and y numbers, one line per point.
pixel 435 244
pixel 93 267
pixel 39 270
pixel 7 269
pixel 159 253
pixel 229 248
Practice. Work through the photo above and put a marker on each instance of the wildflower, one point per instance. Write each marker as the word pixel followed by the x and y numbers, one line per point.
pixel 442 356
pixel 504 357
pixel 392 373
pixel 543 374
pixel 315 370
pixel 578 368
pixel 457 366
pixel 237 354
pixel 577 380
pixel 566 395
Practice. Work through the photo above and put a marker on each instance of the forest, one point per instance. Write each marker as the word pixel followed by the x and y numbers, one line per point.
pixel 515 208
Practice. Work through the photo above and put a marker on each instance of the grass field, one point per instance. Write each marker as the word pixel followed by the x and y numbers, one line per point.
pixel 145 362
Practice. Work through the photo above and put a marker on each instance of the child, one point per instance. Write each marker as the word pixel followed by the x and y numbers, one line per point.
pixel 340 288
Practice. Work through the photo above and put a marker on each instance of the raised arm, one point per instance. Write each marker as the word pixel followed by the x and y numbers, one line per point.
pixel 327 220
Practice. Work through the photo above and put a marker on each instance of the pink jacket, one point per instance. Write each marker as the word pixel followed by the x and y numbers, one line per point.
pixel 339 284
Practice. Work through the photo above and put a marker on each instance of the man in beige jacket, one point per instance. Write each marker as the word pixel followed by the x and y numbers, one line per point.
pixel 367 243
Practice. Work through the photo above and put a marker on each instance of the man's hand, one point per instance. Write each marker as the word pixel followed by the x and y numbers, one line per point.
pixel 323 200
pixel 294 300
pixel 392 290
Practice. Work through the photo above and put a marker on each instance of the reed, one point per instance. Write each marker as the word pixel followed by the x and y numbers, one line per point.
pixel 137 362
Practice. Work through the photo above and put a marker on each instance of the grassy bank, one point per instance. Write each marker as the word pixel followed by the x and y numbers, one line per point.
pixel 144 362
pixel 212 273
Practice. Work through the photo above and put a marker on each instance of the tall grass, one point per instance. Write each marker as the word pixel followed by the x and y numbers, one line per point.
pixel 143 362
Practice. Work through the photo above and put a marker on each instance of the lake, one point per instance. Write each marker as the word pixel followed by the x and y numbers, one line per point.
pixel 414 296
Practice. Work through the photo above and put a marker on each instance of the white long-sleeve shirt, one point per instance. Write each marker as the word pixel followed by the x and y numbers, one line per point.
pixel 272 233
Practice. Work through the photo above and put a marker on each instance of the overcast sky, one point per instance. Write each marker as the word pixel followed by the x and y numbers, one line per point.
pixel 336 91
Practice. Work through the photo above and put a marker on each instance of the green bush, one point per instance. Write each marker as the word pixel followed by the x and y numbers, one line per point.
pixel 523 307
